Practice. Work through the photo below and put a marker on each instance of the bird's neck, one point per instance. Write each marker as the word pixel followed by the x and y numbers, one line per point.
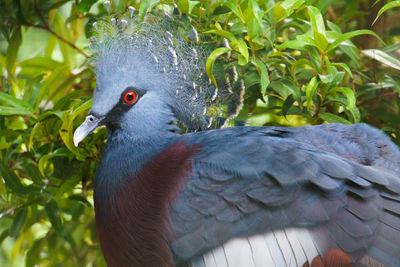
pixel 132 220
pixel 132 145
pixel 125 155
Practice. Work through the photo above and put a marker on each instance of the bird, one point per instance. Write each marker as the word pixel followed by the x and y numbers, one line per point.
pixel 173 188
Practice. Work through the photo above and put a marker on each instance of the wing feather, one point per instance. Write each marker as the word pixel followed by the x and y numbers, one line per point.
pixel 340 182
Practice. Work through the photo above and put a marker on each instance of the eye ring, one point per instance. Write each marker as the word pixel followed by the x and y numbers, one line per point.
pixel 130 97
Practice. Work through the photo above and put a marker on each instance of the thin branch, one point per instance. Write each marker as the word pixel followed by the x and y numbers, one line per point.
pixel 332 13
pixel 47 28
pixel 60 38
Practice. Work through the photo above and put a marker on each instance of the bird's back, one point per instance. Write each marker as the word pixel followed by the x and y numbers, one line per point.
pixel 287 195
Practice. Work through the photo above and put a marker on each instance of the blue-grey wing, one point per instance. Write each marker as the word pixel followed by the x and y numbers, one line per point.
pixel 340 182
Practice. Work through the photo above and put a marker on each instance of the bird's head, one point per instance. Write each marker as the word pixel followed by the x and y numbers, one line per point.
pixel 148 76
pixel 130 93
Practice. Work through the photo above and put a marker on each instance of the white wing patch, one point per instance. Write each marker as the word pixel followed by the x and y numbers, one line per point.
pixel 261 252
pixel 238 252
pixel 289 247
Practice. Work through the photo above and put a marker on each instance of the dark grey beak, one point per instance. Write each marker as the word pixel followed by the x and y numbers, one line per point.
pixel 89 125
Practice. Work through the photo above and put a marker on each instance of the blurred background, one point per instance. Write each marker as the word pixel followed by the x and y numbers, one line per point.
pixel 302 62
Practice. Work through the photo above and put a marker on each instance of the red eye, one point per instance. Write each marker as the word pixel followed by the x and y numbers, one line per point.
pixel 130 97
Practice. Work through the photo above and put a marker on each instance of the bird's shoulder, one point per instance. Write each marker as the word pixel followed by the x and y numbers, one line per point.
pixel 358 142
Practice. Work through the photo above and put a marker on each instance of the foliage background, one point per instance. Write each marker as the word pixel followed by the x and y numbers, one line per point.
pixel 302 62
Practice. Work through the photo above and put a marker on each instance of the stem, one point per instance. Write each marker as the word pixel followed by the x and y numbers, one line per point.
pixel 332 13
pixel 47 28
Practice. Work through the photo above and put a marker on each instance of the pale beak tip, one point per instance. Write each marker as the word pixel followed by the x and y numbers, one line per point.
pixel 77 139
pixel 76 142
pixel 91 122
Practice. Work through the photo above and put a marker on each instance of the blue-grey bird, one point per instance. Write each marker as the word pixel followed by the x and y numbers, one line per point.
pixel 237 196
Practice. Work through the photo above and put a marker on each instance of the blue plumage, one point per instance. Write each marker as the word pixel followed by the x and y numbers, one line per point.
pixel 166 198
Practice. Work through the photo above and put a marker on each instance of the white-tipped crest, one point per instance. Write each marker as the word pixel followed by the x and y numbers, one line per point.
pixel 107 5
pixel 131 10
pixel 124 23
pixel 193 35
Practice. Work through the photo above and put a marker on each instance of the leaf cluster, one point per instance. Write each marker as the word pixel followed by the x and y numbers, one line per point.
pixel 300 61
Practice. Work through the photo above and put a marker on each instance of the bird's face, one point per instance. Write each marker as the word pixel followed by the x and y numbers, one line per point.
pixel 112 110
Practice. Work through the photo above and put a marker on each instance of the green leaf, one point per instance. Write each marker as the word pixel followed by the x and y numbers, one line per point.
pixel 349 35
pixel 60 152
pixel 15 102
pixel 211 59
pixel 82 108
pixel 351 98
pixel 12 111
pixel 317 21
pixel 386 7
pixel 12 50
pixel 332 118
pixel 66 130
pixel 382 57
pixel 53 213
pixel 287 105
pixel 290 5
pixel 62 30
pixel 279 13
pixel 310 91
pixel 143 8
pixel 333 26
pixel 18 222
pixel 318 27
pixel 286 8
pixel 3 235
pixel 345 67
pixel 51 44
pixel 253 28
pixel 33 256
pixel 224 34
pixel 186 6
pixel 80 198
pixel 242 48
pixel 285 87
pixel 322 42
pixel 264 79
pixel 84 5
pixel 219 10
pixel 251 79
pixel 355 113
pixel 58 4
pixel 69 185
pixel 307 40
pixel 43 63
pixel 292 44
pixel 32 135
pixel 51 113
pixel 12 181
pixel 255 9
pixel 52 82
pixel 326 78
pixel 26 9
pixel 234 7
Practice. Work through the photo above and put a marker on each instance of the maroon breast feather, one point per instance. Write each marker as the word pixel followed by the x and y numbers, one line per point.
pixel 133 233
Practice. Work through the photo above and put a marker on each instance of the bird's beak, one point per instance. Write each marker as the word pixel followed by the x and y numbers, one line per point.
pixel 89 125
